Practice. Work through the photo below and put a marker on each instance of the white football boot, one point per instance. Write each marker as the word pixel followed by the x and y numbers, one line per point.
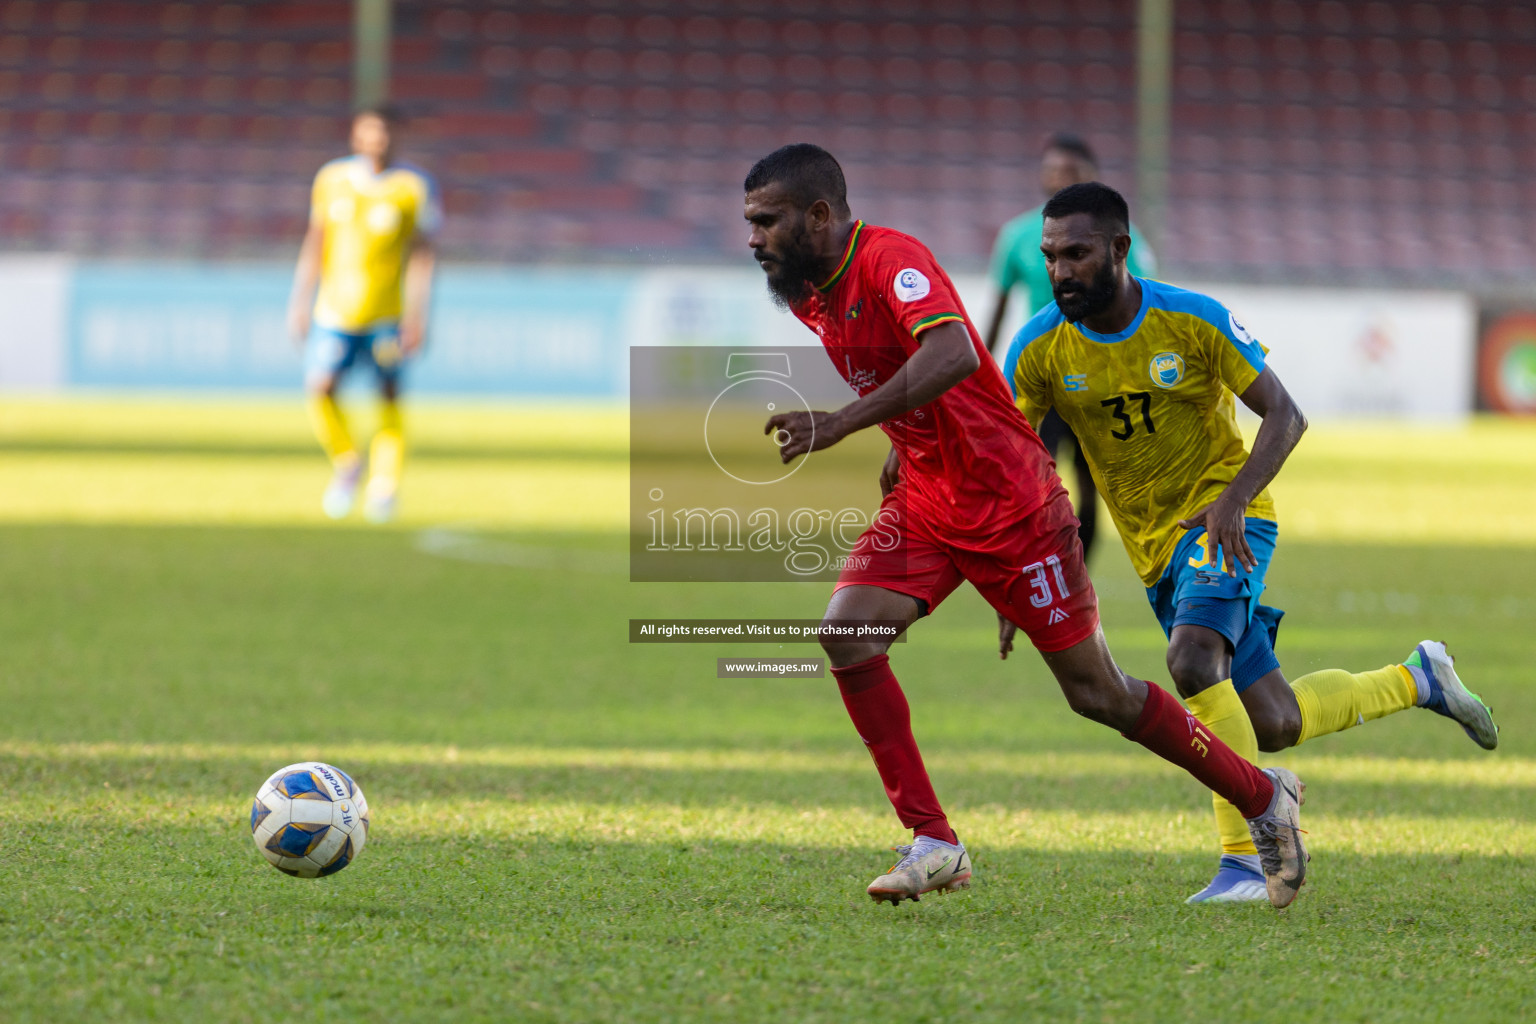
pixel 1277 834
pixel 926 865
pixel 379 501
pixel 342 492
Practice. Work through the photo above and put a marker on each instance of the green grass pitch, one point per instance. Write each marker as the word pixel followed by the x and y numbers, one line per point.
pixel 568 828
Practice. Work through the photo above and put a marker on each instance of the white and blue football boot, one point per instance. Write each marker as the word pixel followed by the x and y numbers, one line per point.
pixel 342 492
pixel 926 865
pixel 379 501
pixel 1442 691
pixel 1239 879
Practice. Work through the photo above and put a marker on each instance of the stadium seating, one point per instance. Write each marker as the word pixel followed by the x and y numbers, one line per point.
pixel 1380 141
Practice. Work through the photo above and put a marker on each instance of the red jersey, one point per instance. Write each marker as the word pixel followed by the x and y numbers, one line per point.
pixel 970 463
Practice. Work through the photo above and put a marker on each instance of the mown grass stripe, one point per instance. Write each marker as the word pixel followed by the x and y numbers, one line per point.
pixel 826 827
pixel 1484 772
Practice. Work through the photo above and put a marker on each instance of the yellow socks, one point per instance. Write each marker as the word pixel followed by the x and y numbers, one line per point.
pixel 1221 711
pixel 1331 701
pixel 386 456
pixel 1334 700
pixel 330 428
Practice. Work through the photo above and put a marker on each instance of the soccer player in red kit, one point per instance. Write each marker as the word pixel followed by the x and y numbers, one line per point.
pixel 970 494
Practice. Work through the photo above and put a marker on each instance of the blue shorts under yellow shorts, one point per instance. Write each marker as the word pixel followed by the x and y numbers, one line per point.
pixel 1195 591
pixel 330 352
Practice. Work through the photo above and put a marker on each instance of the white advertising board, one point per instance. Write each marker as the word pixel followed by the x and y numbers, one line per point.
pixel 34 297
pixel 1342 352
pixel 1377 353
pixel 1373 353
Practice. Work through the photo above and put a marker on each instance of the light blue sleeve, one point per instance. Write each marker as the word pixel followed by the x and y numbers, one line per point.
pixel 1179 300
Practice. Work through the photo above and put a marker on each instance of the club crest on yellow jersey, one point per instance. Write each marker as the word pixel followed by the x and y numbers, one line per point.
pixel 1166 369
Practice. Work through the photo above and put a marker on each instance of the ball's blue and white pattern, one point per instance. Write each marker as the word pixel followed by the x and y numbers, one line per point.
pixel 310 819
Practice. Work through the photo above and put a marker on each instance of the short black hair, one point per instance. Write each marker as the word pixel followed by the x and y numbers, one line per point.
pixel 389 113
pixel 1068 142
pixel 806 172
pixel 1106 206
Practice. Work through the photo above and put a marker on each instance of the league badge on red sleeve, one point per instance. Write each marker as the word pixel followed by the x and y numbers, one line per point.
pixel 911 284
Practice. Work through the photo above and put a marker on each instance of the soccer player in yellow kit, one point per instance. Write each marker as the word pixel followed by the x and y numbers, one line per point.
pixel 369 250
pixel 1145 374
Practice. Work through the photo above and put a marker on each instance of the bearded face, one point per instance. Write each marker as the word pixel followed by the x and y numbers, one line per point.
pixel 790 264
pixel 1078 301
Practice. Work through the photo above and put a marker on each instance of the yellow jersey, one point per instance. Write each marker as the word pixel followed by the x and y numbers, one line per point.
pixel 370 221
pixel 1152 406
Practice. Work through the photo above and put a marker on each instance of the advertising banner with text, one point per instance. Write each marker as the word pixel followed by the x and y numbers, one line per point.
pixel 568 332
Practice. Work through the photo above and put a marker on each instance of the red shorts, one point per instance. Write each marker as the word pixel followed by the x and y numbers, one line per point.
pixel 1032 572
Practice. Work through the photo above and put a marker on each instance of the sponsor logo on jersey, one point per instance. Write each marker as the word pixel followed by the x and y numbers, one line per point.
pixel 1074 382
pixel 860 380
pixel 1238 330
pixel 383 219
pixel 1166 369
pixel 911 285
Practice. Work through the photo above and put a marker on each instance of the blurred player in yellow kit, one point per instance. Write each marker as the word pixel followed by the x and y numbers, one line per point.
pixel 369 251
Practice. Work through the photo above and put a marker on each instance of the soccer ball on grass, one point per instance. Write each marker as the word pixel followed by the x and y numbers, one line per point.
pixel 309 819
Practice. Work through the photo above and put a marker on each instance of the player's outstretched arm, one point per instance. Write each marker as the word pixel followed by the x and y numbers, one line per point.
pixel 1281 429
pixel 995 325
pixel 306 278
pixel 417 299
pixel 944 358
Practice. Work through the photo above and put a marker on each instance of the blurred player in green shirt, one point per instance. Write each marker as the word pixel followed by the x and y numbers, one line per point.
pixel 1018 263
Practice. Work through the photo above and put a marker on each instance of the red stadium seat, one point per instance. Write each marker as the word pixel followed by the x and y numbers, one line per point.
pixel 1284 117
pixel 540 165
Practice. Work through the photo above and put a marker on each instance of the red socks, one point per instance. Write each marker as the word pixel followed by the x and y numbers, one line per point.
pixel 1175 735
pixel 879 711
pixel 881 716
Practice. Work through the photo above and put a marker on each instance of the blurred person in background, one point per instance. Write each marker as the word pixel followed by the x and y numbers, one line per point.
pixel 1018 263
pixel 361 293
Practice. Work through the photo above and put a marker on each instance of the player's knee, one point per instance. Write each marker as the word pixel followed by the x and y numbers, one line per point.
pixel 842 652
pixel 1277 729
pixel 1092 700
pixel 1090 708
pixel 1194 668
